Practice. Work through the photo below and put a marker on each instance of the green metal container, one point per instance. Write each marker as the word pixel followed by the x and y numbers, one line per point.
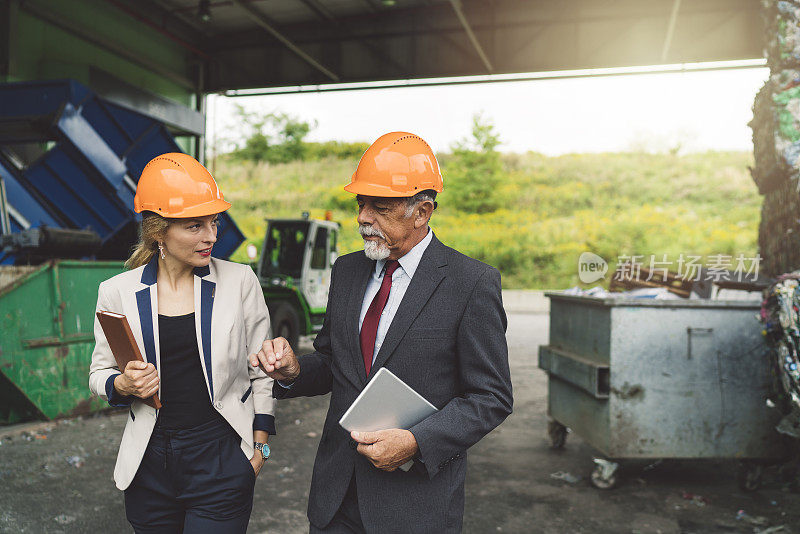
pixel 46 338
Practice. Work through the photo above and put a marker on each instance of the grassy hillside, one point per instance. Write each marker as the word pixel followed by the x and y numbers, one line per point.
pixel 554 208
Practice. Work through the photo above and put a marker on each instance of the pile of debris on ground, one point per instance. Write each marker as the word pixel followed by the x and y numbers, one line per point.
pixel 666 285
pixel 780 314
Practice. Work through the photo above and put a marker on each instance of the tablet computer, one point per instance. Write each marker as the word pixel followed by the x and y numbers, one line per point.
pixel 387 402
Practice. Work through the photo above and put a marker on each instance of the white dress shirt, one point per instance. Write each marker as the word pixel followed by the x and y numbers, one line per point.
pixel 400 281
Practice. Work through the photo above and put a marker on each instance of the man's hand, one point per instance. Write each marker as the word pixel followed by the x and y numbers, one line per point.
pixel 386 449
pixel 277 359
pixel 139 379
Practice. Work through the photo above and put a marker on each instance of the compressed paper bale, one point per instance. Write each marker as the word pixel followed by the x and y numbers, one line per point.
pixel 782 25
pixel 788 42
pixel 779 230
pixel 769 171
pixel 784 78
pixel 787 107
pixel 776 140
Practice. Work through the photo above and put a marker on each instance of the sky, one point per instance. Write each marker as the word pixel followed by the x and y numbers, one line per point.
pixel 696 110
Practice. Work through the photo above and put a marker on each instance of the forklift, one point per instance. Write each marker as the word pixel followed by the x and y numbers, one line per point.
pixel 295 273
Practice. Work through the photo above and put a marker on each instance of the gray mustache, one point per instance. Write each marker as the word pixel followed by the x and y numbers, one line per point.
pixel 370 231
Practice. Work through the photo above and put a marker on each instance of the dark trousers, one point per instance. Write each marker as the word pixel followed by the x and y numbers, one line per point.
pixel 347 519
pixel 194 481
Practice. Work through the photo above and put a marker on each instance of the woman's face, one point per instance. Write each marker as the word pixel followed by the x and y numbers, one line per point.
pixel 190 240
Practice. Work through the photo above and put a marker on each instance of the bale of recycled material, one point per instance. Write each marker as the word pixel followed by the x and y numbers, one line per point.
pixel 769 172
pixel 776 139
pixel 787 111
pixel 782 20
pixel 779 230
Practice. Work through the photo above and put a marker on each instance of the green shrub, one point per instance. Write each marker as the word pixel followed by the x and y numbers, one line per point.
pixel 474 172
pixel 272 137
pixel 334 149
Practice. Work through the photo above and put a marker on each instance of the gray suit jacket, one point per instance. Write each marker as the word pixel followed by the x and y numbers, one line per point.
pixel 447 341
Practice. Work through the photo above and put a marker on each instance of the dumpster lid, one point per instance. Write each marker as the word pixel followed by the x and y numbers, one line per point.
pixel 754 304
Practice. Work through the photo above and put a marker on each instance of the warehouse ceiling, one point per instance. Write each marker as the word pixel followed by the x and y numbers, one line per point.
pixel 273 43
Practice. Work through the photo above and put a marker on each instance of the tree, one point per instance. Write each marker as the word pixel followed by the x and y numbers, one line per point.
pixel 274 137
pixel 475 170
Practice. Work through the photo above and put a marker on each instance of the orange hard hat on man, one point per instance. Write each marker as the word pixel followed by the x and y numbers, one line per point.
pixel 398 164
pixel 177 185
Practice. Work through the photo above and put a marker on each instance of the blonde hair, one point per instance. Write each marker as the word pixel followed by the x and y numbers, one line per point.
pixel 152 229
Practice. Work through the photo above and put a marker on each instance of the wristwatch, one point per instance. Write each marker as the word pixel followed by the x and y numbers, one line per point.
pixel 264 448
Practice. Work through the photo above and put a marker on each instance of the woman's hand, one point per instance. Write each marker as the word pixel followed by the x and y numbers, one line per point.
pixel 257 461
pixel 140 379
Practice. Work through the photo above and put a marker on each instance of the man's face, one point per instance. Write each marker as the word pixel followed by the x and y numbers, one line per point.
pixel 386 229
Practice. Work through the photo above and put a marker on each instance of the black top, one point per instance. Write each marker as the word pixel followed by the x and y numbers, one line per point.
pixel 185 399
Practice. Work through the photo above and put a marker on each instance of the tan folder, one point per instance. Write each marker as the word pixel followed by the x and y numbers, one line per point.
pixel 123 345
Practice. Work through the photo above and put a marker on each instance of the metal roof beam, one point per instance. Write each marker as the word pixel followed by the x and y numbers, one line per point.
pixel 186 27
pixel 180 119
pixel 91 36
pixel 631 13
pixel 369 5
pixel 473 39
pixel 265 23
pixel 316 88
pixel 324 13
pixel 160 28
pixel 319 10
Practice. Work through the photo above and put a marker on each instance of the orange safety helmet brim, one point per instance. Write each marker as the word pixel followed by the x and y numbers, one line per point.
pixel 397 164
pixel 176 185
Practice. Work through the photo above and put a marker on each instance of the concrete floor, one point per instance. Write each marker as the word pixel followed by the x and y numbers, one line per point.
pixel 509 487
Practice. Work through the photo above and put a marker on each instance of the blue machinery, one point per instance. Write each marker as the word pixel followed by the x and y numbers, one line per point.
pixel 88 155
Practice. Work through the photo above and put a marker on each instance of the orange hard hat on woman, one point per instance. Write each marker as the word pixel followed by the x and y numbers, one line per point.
pixel 398 164
pixel 177 185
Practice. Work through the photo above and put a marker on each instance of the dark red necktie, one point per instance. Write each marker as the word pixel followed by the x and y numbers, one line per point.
pixel 369 327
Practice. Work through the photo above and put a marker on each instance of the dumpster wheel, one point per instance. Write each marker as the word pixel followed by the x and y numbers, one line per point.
pixel 557 434
pixel 605 474
pixel 749 475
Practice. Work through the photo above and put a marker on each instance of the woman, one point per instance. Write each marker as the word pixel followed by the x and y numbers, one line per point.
pixel 190 466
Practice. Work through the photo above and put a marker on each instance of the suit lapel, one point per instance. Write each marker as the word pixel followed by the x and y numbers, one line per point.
pixel 356 299
pixel 204 291
pixel 147 305
pixel 426 279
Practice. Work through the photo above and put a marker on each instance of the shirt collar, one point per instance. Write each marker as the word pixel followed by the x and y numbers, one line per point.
pixel 411 260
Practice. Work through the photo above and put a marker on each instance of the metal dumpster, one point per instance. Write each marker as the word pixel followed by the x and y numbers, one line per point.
pixel 652 379
pixel 46 338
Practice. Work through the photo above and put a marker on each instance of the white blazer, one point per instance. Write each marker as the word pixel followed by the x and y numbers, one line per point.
pixel 231 321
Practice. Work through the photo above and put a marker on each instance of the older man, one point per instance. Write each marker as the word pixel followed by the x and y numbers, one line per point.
pixel 429 314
